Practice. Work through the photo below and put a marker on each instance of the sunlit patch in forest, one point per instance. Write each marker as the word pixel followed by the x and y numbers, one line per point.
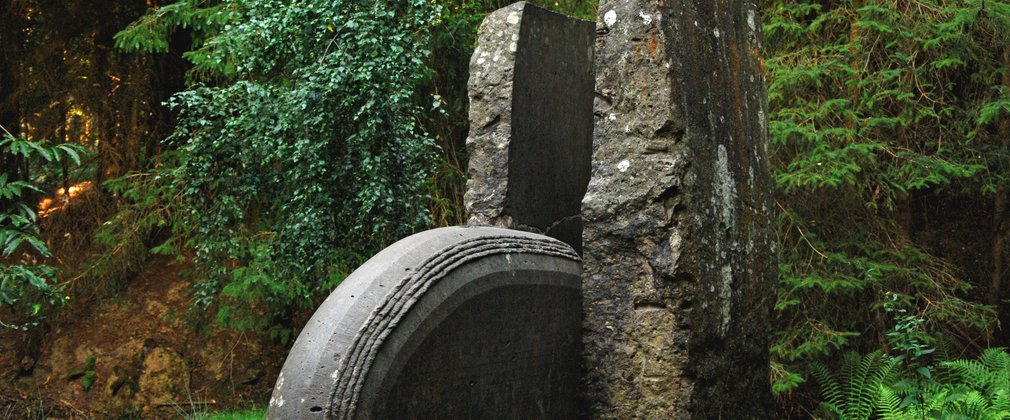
pixel 78 125
pixel 63 197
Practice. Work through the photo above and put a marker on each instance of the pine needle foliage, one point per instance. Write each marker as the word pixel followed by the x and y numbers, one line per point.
pixel 203 20
pixel 873 102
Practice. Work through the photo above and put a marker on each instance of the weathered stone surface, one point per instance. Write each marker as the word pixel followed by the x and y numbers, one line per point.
pixel 678 281
pixel 530 141
pixel 164 381
pixel 475 322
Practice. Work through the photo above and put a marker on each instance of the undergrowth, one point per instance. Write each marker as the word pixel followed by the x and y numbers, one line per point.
pixel 881 386
pixel 250 414
pixel 29 285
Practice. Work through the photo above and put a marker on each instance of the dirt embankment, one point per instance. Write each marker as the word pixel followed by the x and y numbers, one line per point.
pixel 135 355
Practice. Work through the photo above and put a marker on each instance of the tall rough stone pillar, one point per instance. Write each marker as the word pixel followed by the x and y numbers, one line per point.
pixel 531 127
pixel 678 281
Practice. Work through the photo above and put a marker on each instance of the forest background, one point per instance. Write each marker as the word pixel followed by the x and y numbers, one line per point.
pixel 271 146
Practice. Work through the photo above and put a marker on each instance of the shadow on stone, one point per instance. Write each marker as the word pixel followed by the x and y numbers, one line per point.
pixel 531 113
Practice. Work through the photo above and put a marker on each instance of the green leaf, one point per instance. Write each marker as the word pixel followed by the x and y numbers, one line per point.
pixel 12 244
pixel 39 245
pixel 70 151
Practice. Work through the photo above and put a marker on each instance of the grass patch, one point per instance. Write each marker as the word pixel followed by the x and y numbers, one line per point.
pixel 250 414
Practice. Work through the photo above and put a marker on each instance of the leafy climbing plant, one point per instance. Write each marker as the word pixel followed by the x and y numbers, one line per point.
pixel 298 142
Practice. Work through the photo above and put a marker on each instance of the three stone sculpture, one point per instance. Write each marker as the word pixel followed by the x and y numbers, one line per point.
pixel 652 167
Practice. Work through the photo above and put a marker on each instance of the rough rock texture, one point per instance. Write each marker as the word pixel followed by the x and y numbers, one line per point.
pixel 678 281
pixel 475 322
pixel 123 383
pixel 531 125
pixel 165 378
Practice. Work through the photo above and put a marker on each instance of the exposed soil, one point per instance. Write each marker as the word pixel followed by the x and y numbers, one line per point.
pixel 147 360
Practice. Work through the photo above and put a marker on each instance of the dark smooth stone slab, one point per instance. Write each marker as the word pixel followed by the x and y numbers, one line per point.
pixel 462 322
pixel 531 122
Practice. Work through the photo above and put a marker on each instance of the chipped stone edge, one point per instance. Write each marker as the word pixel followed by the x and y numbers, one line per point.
pixel 486 189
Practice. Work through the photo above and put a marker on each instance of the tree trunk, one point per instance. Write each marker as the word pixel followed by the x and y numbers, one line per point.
pixel 12 45
pixel 999 233
pixel 1000 225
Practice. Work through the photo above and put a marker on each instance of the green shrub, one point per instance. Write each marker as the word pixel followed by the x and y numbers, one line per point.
pixel 27 285
pixel 298 142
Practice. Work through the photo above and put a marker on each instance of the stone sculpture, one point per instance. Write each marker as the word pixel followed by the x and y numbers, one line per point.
pixel 531 126
pixel 449 323
pixel 670 318
pixel 679 273
pixel 474 322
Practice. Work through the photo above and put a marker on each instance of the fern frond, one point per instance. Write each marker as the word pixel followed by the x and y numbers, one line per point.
pixel 862 386
pixel 828 410
pixel 970 372
pixel 830 388
pixel 1001 402
pixel 997 360
pixel 855 391
pixel 888 403
pixel 972 406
